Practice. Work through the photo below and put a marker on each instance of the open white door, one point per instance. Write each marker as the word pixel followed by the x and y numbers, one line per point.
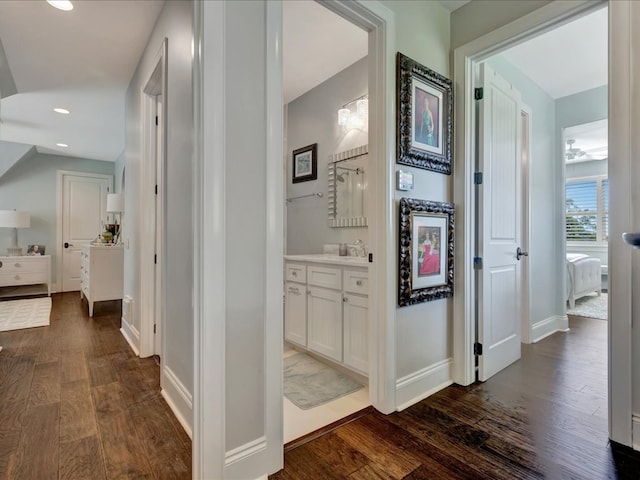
pixel 499 224
pixel 82 210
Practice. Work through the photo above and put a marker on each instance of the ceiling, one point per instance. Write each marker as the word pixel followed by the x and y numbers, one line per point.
pixel 80 60
pixel 317 44
pixel 568 59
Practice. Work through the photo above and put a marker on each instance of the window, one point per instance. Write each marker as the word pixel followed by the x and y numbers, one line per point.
pixel 587 209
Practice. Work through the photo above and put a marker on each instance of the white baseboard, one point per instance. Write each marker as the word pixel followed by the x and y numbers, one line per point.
pixel 635 433
pixel 549 326
pixel 423 383
pixel 244 451
pixel 131 335
pixel 178 398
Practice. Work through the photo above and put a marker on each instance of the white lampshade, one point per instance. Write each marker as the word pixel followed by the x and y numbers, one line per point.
pixel 14 219
pixel 115 203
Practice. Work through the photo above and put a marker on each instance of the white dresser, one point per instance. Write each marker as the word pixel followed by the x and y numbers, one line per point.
pixel 26 270
pixel 101 273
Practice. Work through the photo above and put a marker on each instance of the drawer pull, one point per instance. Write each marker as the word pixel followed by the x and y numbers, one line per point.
pixel 294 273
pixel 294 290
pixel 359 283
pixel 345 299
pixel 17 277
pixel 17 265
pixel 0 264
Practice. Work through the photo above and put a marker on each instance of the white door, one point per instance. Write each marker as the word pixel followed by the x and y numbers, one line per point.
pixel 499 224
pixel 84 204
pixel 295 313
pixel 324 322
pixel 356 334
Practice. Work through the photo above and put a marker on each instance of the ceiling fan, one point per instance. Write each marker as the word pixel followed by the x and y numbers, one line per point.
pixel 571 152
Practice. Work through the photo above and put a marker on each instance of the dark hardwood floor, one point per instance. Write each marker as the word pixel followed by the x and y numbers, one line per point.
pixel 543 417
pixel 76 403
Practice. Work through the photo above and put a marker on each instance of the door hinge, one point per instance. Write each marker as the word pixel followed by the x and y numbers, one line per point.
pixel 478 93
pixel 477 348
pixel 371 258
pixel 477 178
pixel 156 120
pixel 477 263
pixel 156 189
pixel 154 328
pixel 155 258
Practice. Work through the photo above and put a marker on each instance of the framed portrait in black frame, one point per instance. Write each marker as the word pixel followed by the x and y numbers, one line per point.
pixel 425 267
pixel 305 164
pixel 424 121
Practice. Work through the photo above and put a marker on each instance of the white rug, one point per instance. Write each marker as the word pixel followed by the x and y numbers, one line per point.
pixel 309 383
pixel 591 305
pixel 27 313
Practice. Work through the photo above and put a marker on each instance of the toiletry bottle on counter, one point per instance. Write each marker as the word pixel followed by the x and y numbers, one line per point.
pixel 343 250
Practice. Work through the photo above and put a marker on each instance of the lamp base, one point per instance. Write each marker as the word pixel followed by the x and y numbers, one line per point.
pixel 14 251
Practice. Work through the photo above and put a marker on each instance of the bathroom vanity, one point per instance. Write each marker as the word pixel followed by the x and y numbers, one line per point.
pixel 326 307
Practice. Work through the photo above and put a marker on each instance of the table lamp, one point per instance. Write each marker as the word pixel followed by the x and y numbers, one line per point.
pixel 14 219
pixel 115 204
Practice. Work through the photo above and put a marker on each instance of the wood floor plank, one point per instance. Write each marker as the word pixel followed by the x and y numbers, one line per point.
pixel 45 386
pixel 82 459
pixel 38 450
pixel 77 414
pixel 16 384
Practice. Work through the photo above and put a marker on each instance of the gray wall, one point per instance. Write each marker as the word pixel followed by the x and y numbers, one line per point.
pixel 424 331
pixel 313 118
pixel 31 185
pixel 546 206
pixel 175 24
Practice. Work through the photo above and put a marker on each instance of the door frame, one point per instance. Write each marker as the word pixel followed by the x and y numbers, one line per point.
pixel 155 84
pixel 59 216
pixel 465 57
pixel 526 331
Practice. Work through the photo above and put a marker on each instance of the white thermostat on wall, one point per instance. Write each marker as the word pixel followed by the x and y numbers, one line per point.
pixel 404 180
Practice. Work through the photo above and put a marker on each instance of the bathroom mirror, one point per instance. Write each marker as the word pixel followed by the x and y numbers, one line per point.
pixel 347 182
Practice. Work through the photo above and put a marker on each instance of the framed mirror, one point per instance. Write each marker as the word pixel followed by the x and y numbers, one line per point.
pixel 347 187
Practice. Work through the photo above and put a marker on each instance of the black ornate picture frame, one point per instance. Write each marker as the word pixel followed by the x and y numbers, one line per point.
pixel 305 164
pixel 425 266
pixel 425 117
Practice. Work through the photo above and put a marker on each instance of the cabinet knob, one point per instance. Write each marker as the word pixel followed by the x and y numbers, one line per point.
pixel 294 274
pixel 17 277
pixel 17 265
pixel 0 263
pixel 345 299
pixel 359 283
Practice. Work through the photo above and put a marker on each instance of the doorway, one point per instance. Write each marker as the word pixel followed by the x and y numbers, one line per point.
pixel 466 58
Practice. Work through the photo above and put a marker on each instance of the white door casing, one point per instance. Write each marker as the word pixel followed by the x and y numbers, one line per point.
pixel 499 224
pixel 81 205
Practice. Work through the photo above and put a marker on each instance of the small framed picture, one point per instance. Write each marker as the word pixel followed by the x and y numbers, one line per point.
pixel 33 250
pixel 426 251
pixel 425 105
pixel 305 164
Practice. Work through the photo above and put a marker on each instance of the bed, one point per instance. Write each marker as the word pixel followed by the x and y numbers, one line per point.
pixel 584 276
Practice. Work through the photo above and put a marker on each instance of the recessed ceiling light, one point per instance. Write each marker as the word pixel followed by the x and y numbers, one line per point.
pixel 63 145
pixel 65 5
pixel 64 111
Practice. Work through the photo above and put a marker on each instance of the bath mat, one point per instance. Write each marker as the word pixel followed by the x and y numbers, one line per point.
pixel 591 305
pixel 309 383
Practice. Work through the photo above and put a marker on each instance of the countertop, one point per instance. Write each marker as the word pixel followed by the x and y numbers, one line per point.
pixel 329 259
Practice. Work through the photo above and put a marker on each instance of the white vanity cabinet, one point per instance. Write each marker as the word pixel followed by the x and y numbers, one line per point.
pixel 326 309
pixel 295 305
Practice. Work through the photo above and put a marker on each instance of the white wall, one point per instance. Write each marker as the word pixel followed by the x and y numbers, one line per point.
pixel 31 185
pixel 312 118
pixel 175 24
pixel 423 331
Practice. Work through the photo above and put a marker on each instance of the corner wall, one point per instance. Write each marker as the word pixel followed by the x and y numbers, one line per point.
pixel 176 24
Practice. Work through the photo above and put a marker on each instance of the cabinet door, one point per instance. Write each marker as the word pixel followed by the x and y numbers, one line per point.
pixel 324 322
pixel 295 313
pixel 356 333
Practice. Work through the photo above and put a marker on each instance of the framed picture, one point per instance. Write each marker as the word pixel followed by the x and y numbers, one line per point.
pixel 425 124
pixel 305 164
pixel 35 250
pixel 426 251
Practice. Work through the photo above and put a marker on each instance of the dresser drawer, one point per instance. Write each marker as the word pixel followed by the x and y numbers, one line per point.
pixel 325 277
pixel 19 278
pixel 23 265
pixel 356 281
pixel 294 272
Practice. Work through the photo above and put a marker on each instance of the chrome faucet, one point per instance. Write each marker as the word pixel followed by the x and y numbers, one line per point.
pixel 360 249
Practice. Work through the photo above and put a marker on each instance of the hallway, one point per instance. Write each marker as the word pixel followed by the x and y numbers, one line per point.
pixel 75 402
pixel 543 417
